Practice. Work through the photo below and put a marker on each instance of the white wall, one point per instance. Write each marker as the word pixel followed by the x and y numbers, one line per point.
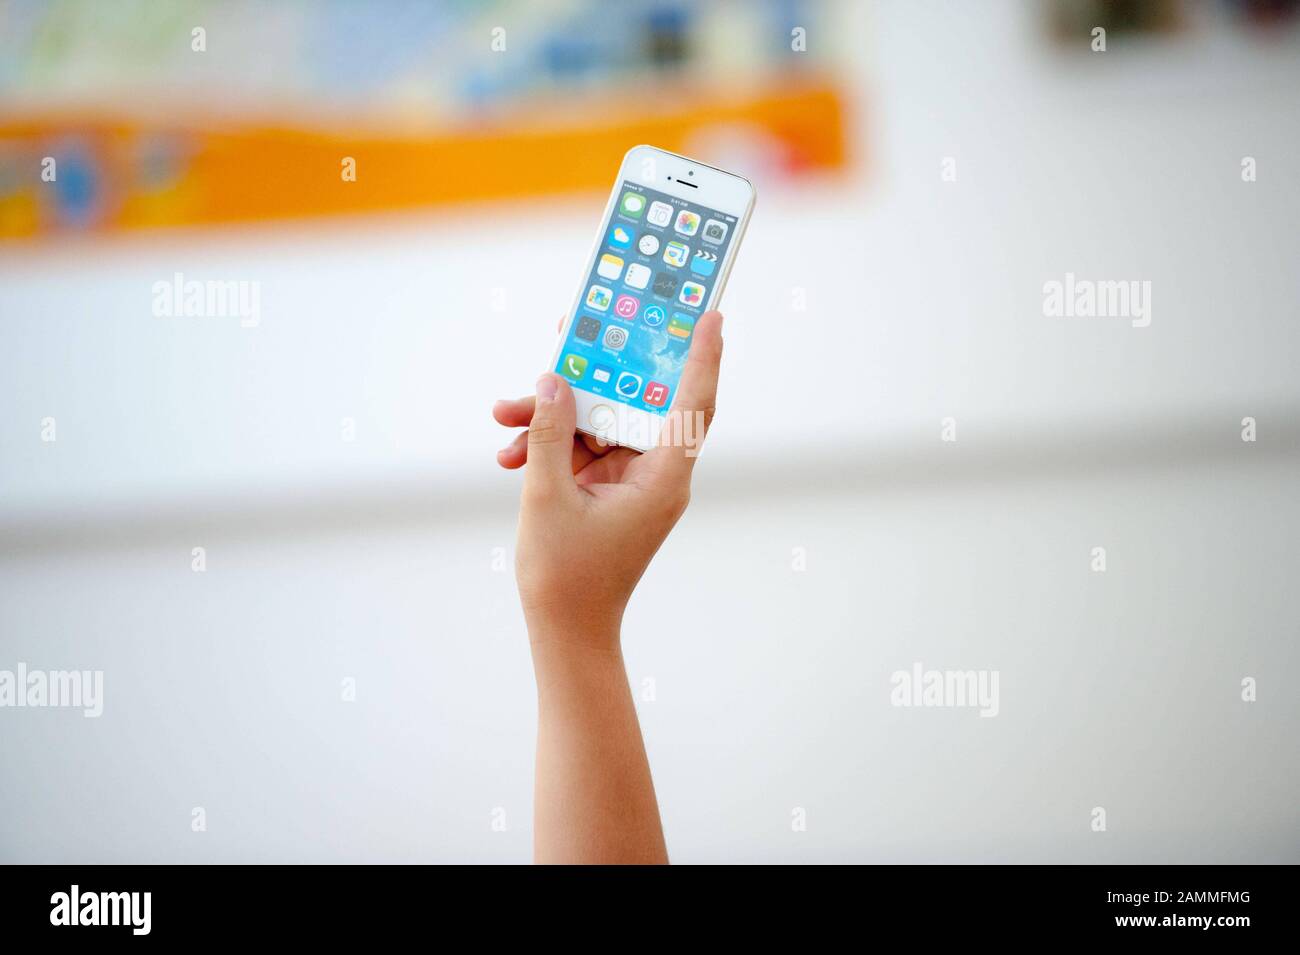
pixel 374 559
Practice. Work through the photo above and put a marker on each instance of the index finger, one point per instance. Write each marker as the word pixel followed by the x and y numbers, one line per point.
pixel 693 408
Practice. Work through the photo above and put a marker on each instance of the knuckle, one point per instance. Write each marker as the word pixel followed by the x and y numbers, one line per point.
pixel 543 432
pixel 676 502
pixel 707 354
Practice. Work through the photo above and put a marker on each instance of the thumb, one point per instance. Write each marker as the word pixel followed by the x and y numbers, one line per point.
pixel 550 437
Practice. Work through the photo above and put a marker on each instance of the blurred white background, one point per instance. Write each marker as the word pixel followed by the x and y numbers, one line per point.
pixel 378 559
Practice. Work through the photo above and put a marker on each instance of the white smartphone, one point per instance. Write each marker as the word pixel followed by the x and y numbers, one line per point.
pixel 667 242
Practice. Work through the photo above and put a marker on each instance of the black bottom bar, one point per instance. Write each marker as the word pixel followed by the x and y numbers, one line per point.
pixel 369 903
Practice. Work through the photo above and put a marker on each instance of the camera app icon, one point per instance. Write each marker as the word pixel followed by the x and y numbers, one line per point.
pixel 715 232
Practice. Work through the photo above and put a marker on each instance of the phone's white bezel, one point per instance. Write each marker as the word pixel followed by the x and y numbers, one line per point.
pixel 710 187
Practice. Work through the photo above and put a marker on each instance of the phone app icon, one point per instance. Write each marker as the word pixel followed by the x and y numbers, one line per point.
pixel 615 338
pixel 681 325
pixel 692 294
pixel 626 307
pixel 633 205
pixel 599 297
pixel 687 222
pixel 665 284
pixel 653 315
pixel 573 366
pixel 675 254
pixel 715 231
pixel 649 244
pixel 620 237
pixel 704 262
pixel 638 276
pixel 656 394
pixel 661 213
pixel 611 266
pixel 588 329
pixel 628 385
pixel 601 374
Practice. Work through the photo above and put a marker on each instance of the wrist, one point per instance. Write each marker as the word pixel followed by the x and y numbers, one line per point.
pixel 589 626
pixel 573 672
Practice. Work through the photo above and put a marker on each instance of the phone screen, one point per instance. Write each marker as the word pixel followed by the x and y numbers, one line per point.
pixel 658 259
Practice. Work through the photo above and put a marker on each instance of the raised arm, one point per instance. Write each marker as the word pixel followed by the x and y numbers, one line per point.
pixel 591 518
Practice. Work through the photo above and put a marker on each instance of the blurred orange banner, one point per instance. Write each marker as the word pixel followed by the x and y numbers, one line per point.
pixel 82 174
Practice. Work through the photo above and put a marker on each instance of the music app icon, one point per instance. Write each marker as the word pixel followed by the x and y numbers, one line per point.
pixel 656 394
pixel 626 307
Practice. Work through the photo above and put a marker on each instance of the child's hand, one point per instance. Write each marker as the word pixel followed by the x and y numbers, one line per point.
pixel 593 516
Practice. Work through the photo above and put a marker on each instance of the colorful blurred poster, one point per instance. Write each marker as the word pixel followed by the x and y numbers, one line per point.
pixel 137 114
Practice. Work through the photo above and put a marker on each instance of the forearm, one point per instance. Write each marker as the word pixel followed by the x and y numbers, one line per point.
pixel 594 799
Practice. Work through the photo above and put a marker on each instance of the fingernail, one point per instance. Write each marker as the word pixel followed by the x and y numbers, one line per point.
pixel 547 387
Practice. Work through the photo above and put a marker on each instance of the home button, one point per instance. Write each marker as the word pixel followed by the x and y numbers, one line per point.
pixel 602 418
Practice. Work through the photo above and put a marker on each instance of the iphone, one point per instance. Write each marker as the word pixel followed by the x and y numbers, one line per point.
pixel 667 241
